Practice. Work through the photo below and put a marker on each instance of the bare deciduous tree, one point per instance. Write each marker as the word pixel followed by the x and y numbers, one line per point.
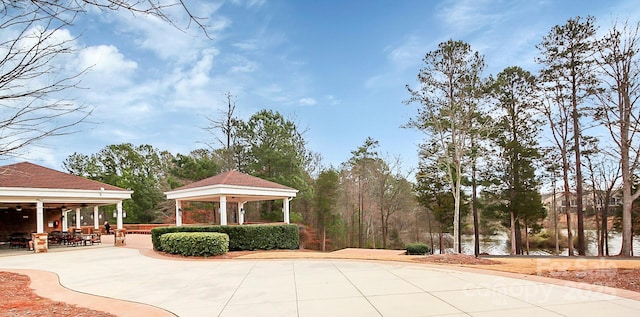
pixel 33 78
pixel 618 111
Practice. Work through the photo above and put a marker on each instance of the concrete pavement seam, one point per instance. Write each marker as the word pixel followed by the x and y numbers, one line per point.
pixel 358 289
pixel 236 290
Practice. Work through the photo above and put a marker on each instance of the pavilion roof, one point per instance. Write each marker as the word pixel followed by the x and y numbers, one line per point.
pixel 29 175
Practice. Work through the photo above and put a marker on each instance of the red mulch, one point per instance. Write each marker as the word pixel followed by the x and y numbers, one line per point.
pixel 17 299
pixel 628 279
pixel 462 259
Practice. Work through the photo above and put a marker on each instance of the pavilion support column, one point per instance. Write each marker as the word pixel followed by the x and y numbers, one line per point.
pixel 65 224
pixel 96 221
pixel 78 224
pixel 39 217
pixel 178 213
pixel 223 210
pixel 285 209
pixel 119 218
pixel 241 212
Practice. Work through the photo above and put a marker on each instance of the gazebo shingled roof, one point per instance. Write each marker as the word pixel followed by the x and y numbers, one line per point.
pixel 234 178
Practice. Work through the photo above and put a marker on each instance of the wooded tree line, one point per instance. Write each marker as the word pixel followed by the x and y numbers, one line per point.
pixel 357 204
pixel 483 135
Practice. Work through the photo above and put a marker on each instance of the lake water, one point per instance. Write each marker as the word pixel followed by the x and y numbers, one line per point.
pixel 497 245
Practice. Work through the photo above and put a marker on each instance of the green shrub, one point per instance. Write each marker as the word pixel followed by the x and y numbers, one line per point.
pixel 245 237
pixel 546 240
pixel 195 243
pixel 417 249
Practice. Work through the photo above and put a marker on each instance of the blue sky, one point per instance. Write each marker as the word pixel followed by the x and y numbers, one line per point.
pixel 337 68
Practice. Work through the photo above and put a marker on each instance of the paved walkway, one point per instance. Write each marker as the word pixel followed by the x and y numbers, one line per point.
pixel 310 287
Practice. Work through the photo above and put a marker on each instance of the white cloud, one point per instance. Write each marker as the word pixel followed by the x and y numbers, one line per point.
pixel 241 64
pixel 192 86
pixel 307 101
pixel 249 67
pixel 249 3
pixel 105 60
pixel 181 41
pixel 408 54
pixel 39 35
pixel 248 45
pixel 469 15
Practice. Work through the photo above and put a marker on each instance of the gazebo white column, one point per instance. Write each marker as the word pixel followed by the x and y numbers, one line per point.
pixel 119 218
pixel 78 224
pixel 241 212
pixel 40 217
pixel 178 213
pixel 285 209
pixel 96 221
pixel 223 210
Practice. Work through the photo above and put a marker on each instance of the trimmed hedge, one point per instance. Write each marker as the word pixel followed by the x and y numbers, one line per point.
pixel 417 249
pixel 195 243
pixel 245 237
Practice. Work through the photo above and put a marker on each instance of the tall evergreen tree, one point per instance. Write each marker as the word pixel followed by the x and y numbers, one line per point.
pixel 325 199
pixel 516 134
pixel 448 99
pixel 273 148
pixel 567 57
pixel 361 163
pixel 433 194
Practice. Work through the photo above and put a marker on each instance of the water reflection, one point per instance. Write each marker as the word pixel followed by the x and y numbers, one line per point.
pixel 498 245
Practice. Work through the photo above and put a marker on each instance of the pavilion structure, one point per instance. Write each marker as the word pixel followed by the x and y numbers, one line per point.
pixel 232 187
pixel 37 199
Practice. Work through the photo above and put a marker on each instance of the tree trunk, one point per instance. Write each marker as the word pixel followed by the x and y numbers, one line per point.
pixel 605 230
pixel 518 238
pixel 430 232
pixel 456 216
pixel 627 201
pixel 526 236
pixel 459 234
pixel 597 216
pixel 474 202
pixel 324 238
pixel 578 167
pixel 567 201
pixel 555 219
pixel 384 229
pixel 513 233
pixel 441 243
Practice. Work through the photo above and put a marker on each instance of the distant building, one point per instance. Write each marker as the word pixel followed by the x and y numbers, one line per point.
pixel 589 203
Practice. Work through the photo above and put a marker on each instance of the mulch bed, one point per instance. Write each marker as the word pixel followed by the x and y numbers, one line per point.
pixel 461 259
pixel 17 299
pixel 628 279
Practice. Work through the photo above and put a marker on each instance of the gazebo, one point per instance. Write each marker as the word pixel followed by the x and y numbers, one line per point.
pixel 36 199
pixel 232 187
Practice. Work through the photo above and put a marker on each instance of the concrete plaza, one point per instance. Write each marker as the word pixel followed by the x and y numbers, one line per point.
pixel 303 287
